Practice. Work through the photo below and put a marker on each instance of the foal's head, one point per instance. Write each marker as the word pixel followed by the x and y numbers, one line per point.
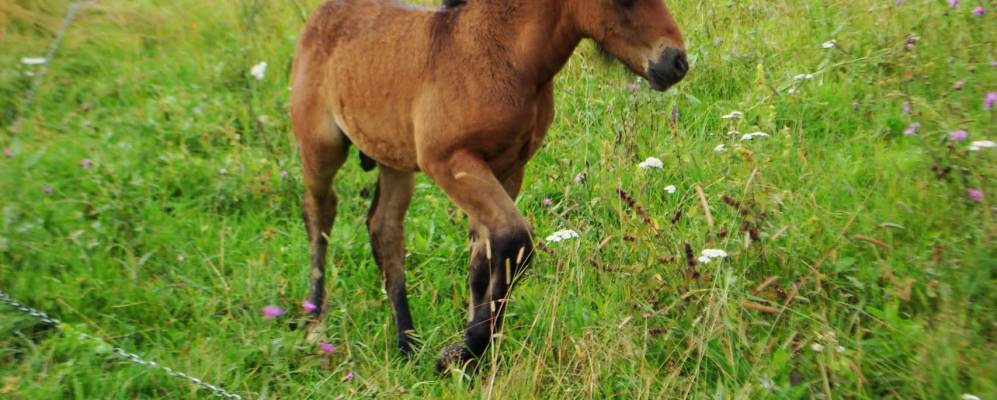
pixel 640 33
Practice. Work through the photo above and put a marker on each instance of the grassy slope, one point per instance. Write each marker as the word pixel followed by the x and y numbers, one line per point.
pixel 155 249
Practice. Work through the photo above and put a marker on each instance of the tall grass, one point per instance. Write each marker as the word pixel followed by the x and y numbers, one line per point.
pixel 858 266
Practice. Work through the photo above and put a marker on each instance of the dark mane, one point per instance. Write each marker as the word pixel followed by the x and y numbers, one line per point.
pixel 453 3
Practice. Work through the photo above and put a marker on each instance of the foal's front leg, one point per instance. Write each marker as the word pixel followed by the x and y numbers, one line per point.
pixel 502 248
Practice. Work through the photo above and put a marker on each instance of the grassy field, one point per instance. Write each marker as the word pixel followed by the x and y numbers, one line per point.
pixel 150 196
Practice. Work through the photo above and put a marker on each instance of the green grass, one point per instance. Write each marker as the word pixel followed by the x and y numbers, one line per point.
pixel 154 250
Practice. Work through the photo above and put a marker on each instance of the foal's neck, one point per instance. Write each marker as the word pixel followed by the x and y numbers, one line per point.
pixel 538 34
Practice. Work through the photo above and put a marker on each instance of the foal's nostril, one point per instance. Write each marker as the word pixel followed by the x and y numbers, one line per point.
pixel 681 64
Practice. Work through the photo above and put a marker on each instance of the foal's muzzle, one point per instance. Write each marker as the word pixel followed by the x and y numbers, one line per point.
pixel 669 69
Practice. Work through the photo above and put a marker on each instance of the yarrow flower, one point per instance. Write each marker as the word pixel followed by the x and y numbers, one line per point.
pixel 958 135
pixel 670 189
pixel 749 136
pixel 33 60
pixel 817 347
pixel 981 144
pixel 652 162
pixel 958 85
pixel 562 235
pixel 222 171
pixel 803 77
pixel 829 44
pixel 708 255
pixel 308 306
pixel 259 70
pixel 271 312
pixel 720 148
pixel 733 115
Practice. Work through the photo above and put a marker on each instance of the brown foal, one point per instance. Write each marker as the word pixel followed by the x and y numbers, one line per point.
pixel 464 94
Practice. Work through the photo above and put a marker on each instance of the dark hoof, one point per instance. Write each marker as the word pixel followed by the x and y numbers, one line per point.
pixel 453 356
pixel 408 343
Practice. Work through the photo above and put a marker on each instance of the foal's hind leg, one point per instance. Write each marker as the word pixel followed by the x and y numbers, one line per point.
pixel 387 241
pixel 323 150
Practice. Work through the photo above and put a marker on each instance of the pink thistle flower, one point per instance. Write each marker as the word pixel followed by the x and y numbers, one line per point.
pixel 283 174
pixel 988 102
pixel 326 348
pixel 978 11
pixel 86 164
pixel 348 377
pixel 271 312
pixel 632 87
pixel 912 129
pixel 953 3
pixel 958 85
pixel 907 108
pixel 308 306
pixel 975 195
pixel 958 135
pixel 547 202
pixel 47 189
pixel 8 153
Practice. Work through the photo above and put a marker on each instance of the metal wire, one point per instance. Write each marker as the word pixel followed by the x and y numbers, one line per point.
pixel 121 353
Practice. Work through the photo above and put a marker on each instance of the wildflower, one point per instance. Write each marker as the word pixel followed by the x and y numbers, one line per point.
pixel 978 11
pixel 967 396
pixel 817 347
pixel 720 148
pixel 222 171
pixel 749 136
pixel 953 3
pixel 547 202
pixel 181 258
pixel 651 162
pixel 803 77
pixel 308 306
pixel 283 174
pixel 981 144
pixel 829 44
pixel 708 255
pixel 912 129
pixel 580 178
pixel 259 70
pixel 8 153
pixel 907 108
pixel 839 349
pixel 958 85
pixel 271 312
pixel 911 42
pixel 47 189
pixel 766 382
pixel 326 347
pixel 348 377
pixel 632 87
pixel 670 189
pixel 958 135
pixel 33 60
pixel 733 115
pixel 714 253
pixel 900 2
pixel 86 164
pixel 988 102
pixel 563 234
pixel 975 195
